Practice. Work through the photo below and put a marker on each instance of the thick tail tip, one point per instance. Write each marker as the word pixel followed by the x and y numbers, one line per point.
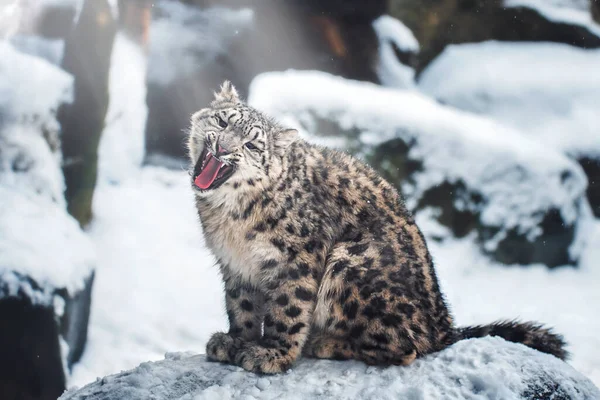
pixel 531 334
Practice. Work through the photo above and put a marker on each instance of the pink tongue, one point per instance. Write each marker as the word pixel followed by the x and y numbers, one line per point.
pixel 209 172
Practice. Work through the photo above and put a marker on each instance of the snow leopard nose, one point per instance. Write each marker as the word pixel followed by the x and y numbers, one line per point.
pixel 222 151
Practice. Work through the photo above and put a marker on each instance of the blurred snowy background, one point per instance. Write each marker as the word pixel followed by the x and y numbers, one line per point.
pixel 484 113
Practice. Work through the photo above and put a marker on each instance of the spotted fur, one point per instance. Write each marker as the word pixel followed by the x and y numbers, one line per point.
pixel 318 253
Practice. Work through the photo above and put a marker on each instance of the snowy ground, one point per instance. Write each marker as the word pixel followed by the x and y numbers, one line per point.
pixel 488 368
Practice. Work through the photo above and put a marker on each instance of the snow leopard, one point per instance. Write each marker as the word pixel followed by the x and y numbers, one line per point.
pixel 318 253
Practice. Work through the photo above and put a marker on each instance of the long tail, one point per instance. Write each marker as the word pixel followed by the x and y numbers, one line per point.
pixel 530 334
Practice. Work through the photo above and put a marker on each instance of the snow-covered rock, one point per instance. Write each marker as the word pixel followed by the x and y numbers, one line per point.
pixel 46 261
pixel 39 239
pixel 488 368
pixel 398 48
pixel 29 132
pixel 524 203
pixel 548 91
pixel 42 249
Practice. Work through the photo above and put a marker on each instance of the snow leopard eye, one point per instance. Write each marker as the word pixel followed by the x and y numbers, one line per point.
pixel 250 146
pixel 221 122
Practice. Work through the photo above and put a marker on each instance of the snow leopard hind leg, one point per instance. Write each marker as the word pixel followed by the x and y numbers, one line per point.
pixel 377 305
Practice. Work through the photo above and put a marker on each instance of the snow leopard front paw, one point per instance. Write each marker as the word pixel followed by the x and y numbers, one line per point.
pixel 262 360
pixel 223 347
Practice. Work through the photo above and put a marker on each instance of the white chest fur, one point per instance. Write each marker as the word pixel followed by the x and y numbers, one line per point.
pixel 227 239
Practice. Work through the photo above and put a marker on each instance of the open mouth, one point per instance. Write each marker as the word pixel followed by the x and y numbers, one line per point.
pixel 209 172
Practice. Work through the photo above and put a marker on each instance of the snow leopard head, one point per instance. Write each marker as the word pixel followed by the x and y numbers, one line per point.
pixel 233 147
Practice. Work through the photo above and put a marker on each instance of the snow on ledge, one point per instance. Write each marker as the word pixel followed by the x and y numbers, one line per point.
pixel 393 29
pixel 548 91
pixel 42 242
pixel 488 368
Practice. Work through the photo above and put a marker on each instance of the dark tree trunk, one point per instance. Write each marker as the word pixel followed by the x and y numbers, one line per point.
pixel 134 19
pixel 87 57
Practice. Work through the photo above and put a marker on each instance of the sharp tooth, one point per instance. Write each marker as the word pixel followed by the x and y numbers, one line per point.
pixel 205 159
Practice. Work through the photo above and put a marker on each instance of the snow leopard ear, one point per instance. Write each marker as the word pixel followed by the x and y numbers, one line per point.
pixel 227 94
pixel 284 138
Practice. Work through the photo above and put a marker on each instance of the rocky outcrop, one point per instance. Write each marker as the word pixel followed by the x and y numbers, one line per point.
pixel 398 51
pixel 438 23
pixel 194 47
pixel 88 50
pixel 46 261
pixel 489 368
pixel 522 202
